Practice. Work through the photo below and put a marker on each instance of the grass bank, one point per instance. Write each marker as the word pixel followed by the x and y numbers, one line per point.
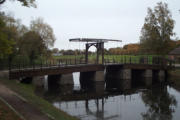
pixel 175 77
pixel 27 92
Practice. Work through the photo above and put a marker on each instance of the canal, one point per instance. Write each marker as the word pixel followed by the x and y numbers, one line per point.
pixel 159 102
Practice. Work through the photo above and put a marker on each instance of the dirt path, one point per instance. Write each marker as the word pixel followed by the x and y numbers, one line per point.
pixel 28 111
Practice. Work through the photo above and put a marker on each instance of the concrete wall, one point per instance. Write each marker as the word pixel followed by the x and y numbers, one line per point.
pixel 57 81
pixel 94 80
pixel 38 81
pixel 125 79
pixel 53 82
pixel 66 79
pixel 118 78
pixel 147 77
pixel 161 75
pixel 99 76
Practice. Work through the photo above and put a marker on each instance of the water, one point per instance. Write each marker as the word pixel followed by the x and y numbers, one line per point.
pixel 157 103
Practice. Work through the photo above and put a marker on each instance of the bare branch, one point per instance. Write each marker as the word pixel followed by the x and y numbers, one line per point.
pixel 2 1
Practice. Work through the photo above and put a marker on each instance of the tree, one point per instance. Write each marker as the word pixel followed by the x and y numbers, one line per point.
pixel 44 30
pixel 159 103
pixel 157 30
pixel 6 41
pixel 31 45
pixel 27 3
pixel 55 50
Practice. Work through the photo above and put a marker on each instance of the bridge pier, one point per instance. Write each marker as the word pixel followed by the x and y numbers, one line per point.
pixel 161 75
pixel 53 82
pixel 99 82
pixel 118 78
pixel 92 81
pixel 66 79
pixel 66 83
pixel 38 81
pixel 57 81
pixel 147 77
pixel 125 79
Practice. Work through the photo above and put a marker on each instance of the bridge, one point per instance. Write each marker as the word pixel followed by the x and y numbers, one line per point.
pixel 115 73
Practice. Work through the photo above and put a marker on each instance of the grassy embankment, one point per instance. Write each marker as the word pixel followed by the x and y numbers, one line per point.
pixel 175 77
pixel 27 92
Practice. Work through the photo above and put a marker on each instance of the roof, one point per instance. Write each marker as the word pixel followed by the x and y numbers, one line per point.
pixel 176 51
pixel 92 40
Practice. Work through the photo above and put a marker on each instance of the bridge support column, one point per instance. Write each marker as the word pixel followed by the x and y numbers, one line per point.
pixel 53 82
pixel 161 75
pixel 99 81
pixel 38 81
pixel 61 82
pixel 125 79
pixel 66 83
pixel 147 77
pixel 92 81
pixel 118 78
pixel 66 79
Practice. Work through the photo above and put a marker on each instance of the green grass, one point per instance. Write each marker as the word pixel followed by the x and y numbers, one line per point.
pixel 27 91
pixel 111 58
pixel 175 77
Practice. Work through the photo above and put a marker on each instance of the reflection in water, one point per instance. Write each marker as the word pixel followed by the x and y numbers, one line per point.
pixel 161 105
pixel 156 103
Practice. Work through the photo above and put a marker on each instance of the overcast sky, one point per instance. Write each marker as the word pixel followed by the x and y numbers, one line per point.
pixel 110 19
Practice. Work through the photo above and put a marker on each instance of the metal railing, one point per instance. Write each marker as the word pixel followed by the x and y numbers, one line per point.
pixel 148 60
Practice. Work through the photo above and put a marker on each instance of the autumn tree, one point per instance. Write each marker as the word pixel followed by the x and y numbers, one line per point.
pixel 131 48
pixel 44 30
pixel 157 30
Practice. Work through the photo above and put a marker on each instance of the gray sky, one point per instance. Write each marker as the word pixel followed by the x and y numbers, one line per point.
pixel 110 19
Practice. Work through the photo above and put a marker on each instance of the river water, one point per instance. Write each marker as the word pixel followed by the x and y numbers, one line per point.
pixel 159 102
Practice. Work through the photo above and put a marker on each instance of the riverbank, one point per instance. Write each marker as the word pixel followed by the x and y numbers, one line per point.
pixel 174 77
pixel 26 94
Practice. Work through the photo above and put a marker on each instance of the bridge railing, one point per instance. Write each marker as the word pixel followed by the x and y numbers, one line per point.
pixel 45 64
pixel 148 60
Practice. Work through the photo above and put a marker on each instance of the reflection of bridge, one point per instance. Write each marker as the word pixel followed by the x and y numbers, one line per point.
pixel 115 72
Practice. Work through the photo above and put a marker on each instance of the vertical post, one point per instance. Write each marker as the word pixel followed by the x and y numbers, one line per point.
pixel 97 57
pixel 41 65
pixel 75 61
pixel 9 60
pixel 66 62
pixel 102 52
pixel 33 65
pixel 86 54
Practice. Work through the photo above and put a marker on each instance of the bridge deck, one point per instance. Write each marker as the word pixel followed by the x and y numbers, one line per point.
pixel 54 70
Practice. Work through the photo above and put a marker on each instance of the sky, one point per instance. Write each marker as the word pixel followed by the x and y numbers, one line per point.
pixel 108 19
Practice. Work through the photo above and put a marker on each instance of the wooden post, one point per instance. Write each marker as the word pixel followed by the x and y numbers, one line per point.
pixel 102 52
pixel 86 54
pixel 97 57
